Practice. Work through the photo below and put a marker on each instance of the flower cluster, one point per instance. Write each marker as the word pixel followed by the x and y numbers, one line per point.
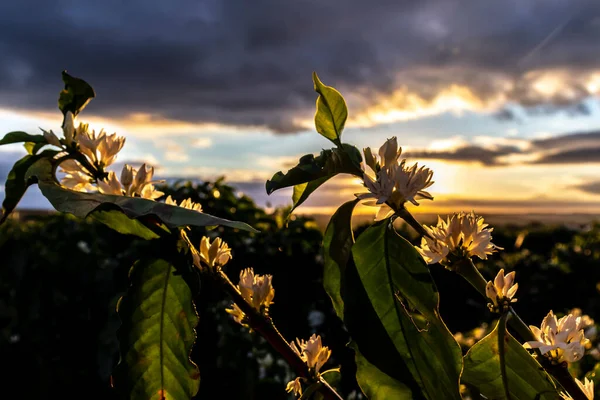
pixel 133 183
pixel 390 182
pixel 187 203
pixel 314 354
pixel 212 255
pixel 560 340
pixel 462 235
pixel 99 151
pixel 257 290
pixel 587 387
pixel 501 291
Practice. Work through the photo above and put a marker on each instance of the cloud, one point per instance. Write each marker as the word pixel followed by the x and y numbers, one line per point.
pixel 225 63
pixel 580 147
pixel 202 143
pixel 466 154
pixel 589 187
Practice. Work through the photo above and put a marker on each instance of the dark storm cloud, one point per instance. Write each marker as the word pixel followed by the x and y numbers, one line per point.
pixel 589 187
pixel 580 147
pixel 249 63
pixel 467 154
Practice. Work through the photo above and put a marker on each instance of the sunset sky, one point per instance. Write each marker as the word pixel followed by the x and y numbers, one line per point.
pixel 499 98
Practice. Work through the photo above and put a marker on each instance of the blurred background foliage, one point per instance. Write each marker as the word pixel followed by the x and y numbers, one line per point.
pixel 60 279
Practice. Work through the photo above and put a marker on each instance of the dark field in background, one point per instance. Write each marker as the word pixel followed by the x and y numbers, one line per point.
pixel 60 279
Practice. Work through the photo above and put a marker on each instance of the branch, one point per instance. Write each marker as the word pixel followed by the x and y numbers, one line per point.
pixel 264 326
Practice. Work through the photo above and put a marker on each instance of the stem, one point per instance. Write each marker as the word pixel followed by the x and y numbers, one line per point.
pixel 408 217
pixel 264 326
pixel 469 271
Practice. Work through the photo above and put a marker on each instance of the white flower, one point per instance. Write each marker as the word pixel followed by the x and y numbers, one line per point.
pixel 76 177
pixel 433 250
pixel 587 387
pixel 410 183
pixel 140 179
pixel 462 235
pixel 216 254
pixel 187 203
pixel 150 192
pixel 563 339
pixel 101 150
pixel 110 185
pixel 109 147
pixel 502 291
pixel 294 386
pixel 51 138
pixel 390 181
pixel 257 290
pixel 127 176
pixel 69 128
pixel 312 352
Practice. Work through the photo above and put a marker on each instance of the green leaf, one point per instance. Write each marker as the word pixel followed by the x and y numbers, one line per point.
pixel 525 376
pixel 156 336
pixel 405 299
pixel 82 204
pixel 332 112
pixel 375 383
pixel 33 148
pixel 121 223
pixel 19 137
pixel 312 172
pixel 380 368
pixel 337 250
pixel 18 180
pixel 75 96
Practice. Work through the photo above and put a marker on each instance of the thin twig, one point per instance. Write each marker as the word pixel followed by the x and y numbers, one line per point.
pixel 266 328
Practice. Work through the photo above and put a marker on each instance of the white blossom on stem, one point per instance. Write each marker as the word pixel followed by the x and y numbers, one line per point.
pixel 462 235
pixel 102 149
pixel 51 138
pixel 69 128
pixel 587 387
pixel 76 176
pixel 187 203
pixel 391 183
pixel 110 185
pixel 294 386
pixel 314 354
pixel 501 291
pixel 257 290
pixel 212 255
pixel 560 340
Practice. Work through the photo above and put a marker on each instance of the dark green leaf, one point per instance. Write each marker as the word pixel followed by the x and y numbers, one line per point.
pixel 311 172
pixel 156 336
pixel 405 299
pixel 332 112
pixel 337 249
pixel 82 204
pixel 376 384
pixel 526 377
pixel 18 180
pixel 309 168
pixel 121 223
pixel 19 137
pixel 75 96
pixel 381 372
pixel 303 190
